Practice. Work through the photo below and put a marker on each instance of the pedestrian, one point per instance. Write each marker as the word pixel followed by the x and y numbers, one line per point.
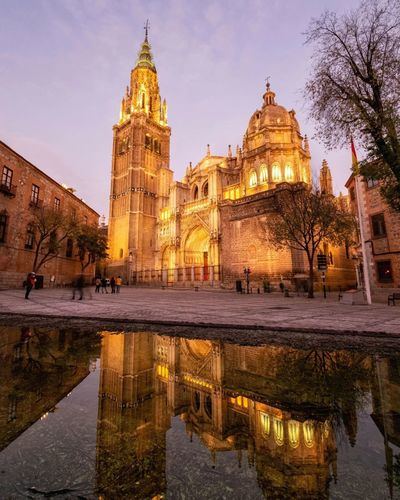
pixel 98 285
pixel 78 287
pixel 112 283
pixel 30 283
pixel 118 283
pixel 103 285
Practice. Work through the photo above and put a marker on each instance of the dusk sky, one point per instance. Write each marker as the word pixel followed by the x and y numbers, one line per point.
pixel 64 66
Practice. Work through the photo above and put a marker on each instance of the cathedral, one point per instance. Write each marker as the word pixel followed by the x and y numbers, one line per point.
pixel 207 228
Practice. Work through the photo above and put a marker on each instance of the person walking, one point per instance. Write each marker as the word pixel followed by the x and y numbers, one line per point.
pixel 103 285
pixel 112 283
pixel 30 283
pixel 78 287
pixel 118 283
pixel 98 285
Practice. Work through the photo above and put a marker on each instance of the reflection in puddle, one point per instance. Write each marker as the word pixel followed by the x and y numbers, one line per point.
pixel 181 418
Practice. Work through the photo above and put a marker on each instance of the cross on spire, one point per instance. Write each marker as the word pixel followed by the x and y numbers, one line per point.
pixel 146 28
pixel 267 80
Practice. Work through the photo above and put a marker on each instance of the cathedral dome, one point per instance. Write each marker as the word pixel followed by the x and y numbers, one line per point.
pixel 271 114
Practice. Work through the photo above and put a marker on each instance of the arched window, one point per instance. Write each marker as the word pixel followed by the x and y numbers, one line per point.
pixel 263 173
pixel 276 173
pixel 205 189
pixel 253 179
pixel 289 175
pixel 265 423
pixel 278 431
pixel 308 433
pixel 294 433
pixel 121 253
pixel 208 406
pixel 195 193
pixel 143 100
pixel 196 401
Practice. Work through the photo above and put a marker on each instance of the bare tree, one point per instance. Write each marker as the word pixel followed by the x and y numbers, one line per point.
pixel 50 228
pixel 354 87
pixel 303 219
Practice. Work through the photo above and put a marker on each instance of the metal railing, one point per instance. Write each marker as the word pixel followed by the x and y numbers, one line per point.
pixel 8 189
pixel 191 274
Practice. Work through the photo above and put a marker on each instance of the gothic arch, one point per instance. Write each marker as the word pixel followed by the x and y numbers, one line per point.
pixel 197 243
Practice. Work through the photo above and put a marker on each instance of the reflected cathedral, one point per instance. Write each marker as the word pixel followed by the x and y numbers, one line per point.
pixel 234 398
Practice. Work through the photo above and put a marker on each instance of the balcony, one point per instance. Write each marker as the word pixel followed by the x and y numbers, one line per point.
pixel 8 190
pixel 36 203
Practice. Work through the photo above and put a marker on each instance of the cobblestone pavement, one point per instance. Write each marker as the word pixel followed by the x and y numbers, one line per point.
pixel 207 307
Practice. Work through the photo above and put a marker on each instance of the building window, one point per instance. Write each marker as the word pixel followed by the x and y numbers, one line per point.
pixel 73 213
pixel 384 269
pixel 205 190
pixel 253 179
pixel 263 174
pixel 30 236
pixel 148 142
pixel 3 226
pixel 6 177
pixel 276 173
pixel 35 194
pixel 70 247
pixel 85 219
pixel 371 183
pixel 57 204
pixel 289 176
pixel 378 225
pixel 121 253
pixel 195 193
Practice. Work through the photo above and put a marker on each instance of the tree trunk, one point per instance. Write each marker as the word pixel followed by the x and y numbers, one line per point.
pixel 310 278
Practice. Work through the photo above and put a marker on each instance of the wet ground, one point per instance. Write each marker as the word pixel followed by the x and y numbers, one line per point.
pixel 97 412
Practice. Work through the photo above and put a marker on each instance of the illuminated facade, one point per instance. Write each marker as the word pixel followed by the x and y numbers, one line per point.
pixel 207 227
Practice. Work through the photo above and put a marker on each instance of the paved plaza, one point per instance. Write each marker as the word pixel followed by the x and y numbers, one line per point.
pixel 209 307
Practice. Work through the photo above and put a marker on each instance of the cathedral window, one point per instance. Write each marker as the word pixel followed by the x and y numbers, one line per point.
pixel 121 253
pixel 294 433
pixel 265 423
pixel 148 142
pixel 263 173
pixel 308 433
pixel 278 431
pixel 195 193
pixel 289 175
pixel 276 173
pixel 253 179
pixel 205 189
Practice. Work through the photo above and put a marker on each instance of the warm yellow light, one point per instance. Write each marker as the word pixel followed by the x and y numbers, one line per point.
pixel 308 433
pixel 278 431
pixel 265 423
pixel 294 433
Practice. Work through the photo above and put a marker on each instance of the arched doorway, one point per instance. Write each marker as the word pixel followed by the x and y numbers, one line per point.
pixel 196 251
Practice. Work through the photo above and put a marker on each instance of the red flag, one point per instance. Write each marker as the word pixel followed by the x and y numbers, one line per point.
pixel 354 160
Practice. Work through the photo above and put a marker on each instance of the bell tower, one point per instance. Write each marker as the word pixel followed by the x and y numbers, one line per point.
pixel 140 174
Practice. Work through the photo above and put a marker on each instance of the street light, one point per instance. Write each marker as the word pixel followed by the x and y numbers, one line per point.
pixel 247 272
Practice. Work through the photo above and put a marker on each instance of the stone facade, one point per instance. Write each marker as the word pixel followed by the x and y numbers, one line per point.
pixel 206 228
pixel 18 201
pixel 382 236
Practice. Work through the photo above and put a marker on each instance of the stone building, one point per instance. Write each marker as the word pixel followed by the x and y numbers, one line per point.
pixel 208 226
pixel 382 236
pixel 25 190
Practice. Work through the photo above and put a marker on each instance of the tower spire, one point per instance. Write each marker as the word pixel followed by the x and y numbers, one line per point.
pixel 145 57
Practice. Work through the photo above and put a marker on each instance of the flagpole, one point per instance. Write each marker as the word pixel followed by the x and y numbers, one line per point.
pixel 360 209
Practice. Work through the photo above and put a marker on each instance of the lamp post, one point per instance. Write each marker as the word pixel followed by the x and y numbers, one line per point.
pixel 247 272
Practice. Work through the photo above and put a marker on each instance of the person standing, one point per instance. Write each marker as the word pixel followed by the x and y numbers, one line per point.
pixel 118 283
pixel 30 283
pixel 112 283
pixel 103 285
pixel 98 284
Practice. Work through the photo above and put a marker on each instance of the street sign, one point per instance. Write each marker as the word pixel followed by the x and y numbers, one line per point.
pixel 322 262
